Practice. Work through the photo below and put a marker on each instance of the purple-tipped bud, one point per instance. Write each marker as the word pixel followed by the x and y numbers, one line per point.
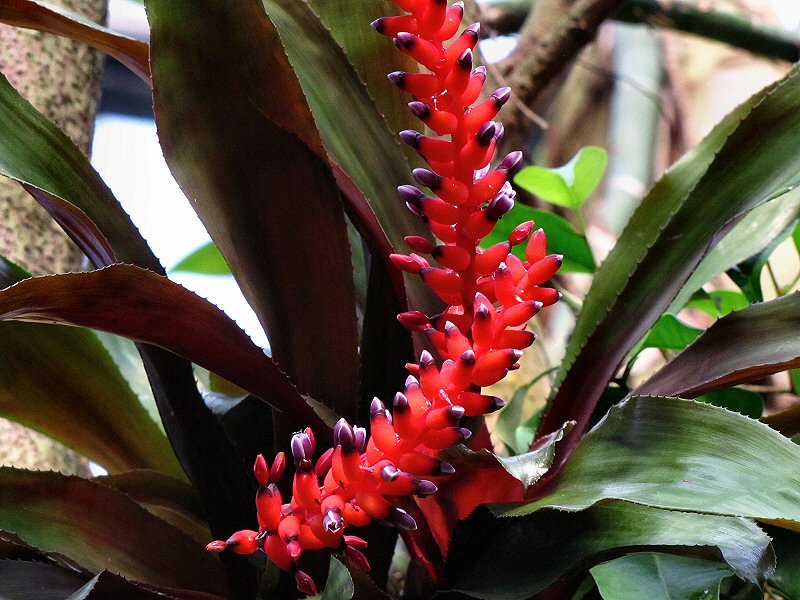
pixel 332 521
pixel 405 39
pixel 486 133
pixel 302 449
pixel 305 584
pixel 473 30
pixel 427 178
pixel 411 383
pixel 511 163
pixel 425 359
pixel 450 329
pixel 458 5
pixel 344 436
pixel 497 402
pixel 401 519
pixel 499 206
pixel 360 434
pixel 465 60
pixel 482 312
pixel 499 132
pixel 409 193
pixel 400 403
pixel 410 137
pixel 501 96
pixel 377 25
pixel 480 71
pixel 398 78
pixel 468 357
pixel 419 109
pixel 464 433
pixel 390 473
pixel 377 408
pixel 445 468
pixel 517 354
pixel 455 412
pixel 423 488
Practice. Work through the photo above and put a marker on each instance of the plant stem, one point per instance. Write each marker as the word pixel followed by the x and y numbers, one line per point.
pixel 506 16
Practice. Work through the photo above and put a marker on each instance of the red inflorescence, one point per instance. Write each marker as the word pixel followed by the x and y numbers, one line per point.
pixel 490 295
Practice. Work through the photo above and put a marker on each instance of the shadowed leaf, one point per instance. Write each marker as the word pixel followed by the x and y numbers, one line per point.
pixel 251 162
pixel 21 580
pixel 492 557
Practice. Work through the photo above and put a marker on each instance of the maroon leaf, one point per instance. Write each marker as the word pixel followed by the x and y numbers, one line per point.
pixel 138 304
pixel 250 157
pixel 51 19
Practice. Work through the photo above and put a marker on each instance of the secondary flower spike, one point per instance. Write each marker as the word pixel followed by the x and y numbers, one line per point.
pixel 489 294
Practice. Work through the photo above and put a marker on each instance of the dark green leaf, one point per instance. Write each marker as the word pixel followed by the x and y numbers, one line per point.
pixel 561 237
pixel 143 306
pixel 528 468
pixel 21 580
pixel 62 381
pixel 745 402
pixel 787 572
pixel 252 162
pixel 670 333
pixel 101 528
pixel 512 559
pixel 659 577
pixel 353 131
pixel 340 583
pixel 151 487
pixel 39 155
pixel 750 236
pixel 794 374
pixel 747 274
pixel 11 273
pixel 751 343
pixel 206 260
pixel 107 585
pixel 745 161
pixel 54 19
pixel 680 455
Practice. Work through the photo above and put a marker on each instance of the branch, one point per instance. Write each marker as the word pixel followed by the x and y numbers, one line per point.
pixel 507 16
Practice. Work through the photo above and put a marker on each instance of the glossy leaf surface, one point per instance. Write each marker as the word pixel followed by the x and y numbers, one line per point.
pixel 62 381
pixel 659 577
pixel 745 161
pixel 666 453
pixel 101 528
pixel 514 558
pixel 252 163
pixel 671 333
pixel 745 345
pixel 54 19
pixel 143 306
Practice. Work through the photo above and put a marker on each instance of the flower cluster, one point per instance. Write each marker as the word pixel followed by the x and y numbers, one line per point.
pixel 490 296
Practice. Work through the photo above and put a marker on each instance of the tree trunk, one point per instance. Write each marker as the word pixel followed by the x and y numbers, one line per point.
pixel 61 79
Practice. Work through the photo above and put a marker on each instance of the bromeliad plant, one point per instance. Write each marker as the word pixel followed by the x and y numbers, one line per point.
pixel 281 149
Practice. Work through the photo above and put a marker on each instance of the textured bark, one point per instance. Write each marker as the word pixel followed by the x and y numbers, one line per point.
pixel 61 79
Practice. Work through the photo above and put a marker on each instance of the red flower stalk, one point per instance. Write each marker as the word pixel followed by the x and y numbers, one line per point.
pixel 490 295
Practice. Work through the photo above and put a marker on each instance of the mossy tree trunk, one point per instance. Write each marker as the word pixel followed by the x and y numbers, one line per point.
pixel 60 78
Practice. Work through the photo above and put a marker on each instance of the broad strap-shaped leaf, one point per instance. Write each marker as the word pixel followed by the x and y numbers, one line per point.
pixel 370 53
pixel 659 576
pixel 36 153
pixel 54 19
pixel 680 455
pixel 143 306
pixel 745 161
pixel 100 528
pixel 252 164
pixel 745 345
pixel 513 559
pixel 62 382
pixel 106 585
pixel 21 580
pixel 354 133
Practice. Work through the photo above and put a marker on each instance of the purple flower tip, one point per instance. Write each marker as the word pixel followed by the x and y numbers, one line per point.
pixel 401 519
pixel 410 137
pixel 423 488
pixel 512 162
pixel 427 178
pixel 486 133
pixel 420 109
pixel 400 402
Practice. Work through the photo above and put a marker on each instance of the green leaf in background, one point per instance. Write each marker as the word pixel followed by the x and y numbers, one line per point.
pixel 745 402
pixel 745 161
pixel 787 572
pixel 670 333
pixel 100 528
pixel 569 186
pixel 719 303
pixel 749 236
pixel 794 374
pixel 528 468
pixel 498 558
pixel 206 260
pixel 679 455
pixel 658 576
pixel 340 584
pixel 62 382
pixel 561 237
pixel 747 274
pixel 747 344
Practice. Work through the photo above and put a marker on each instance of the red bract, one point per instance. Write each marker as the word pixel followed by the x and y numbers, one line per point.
pixel 490 297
